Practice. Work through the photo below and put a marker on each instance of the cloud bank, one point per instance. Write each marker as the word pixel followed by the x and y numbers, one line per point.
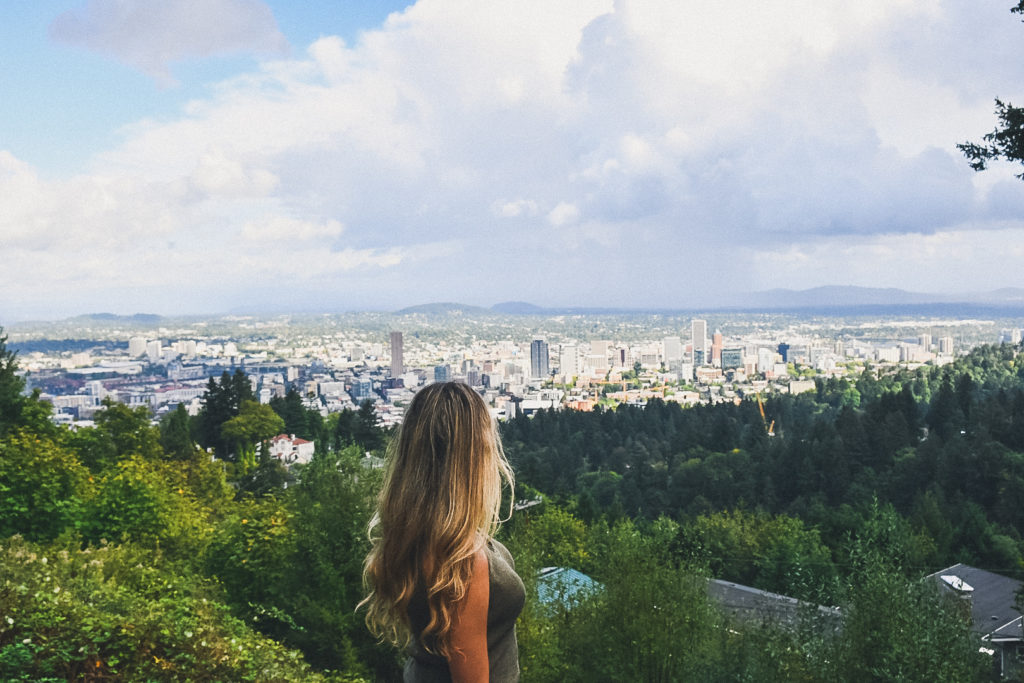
pixel 591 153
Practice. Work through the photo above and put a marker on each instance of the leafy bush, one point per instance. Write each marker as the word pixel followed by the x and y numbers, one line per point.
pixel 42 486
pixel 111 613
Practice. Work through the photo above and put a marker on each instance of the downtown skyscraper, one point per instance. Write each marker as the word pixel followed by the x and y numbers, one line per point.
pixel 397 362
pixel 699 331
pixel 539 358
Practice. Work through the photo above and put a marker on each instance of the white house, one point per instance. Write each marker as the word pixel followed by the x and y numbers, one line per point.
pixel 289 449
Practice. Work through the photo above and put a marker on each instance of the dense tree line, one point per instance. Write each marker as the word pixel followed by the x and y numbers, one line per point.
pixel 944 446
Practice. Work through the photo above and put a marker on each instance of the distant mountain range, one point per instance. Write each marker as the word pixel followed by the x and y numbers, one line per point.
pixel 832 298
pixel 819 299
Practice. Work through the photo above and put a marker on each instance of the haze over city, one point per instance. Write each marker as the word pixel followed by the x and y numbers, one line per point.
pixel 239 154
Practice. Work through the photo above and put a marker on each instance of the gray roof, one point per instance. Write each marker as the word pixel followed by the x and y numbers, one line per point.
pixel 754 606
pixel 991 600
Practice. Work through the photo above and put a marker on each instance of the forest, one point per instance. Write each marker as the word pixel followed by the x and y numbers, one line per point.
pixel 128 553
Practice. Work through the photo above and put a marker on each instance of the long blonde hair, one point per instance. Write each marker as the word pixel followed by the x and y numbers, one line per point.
pixel 440 501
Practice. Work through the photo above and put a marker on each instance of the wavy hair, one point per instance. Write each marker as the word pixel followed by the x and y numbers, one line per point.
pixel 439 504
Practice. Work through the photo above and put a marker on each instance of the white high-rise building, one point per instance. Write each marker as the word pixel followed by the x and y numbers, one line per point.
pixel 946 345
pixel 672 348
pixel 569 361
pixel 154 351
pixel 699 332
pixel 136 346
pixel 925 341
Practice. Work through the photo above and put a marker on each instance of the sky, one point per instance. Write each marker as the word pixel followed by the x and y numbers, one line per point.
pixel 192 157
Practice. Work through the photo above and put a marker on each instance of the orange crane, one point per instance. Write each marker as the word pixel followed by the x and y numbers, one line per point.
pixel 769 428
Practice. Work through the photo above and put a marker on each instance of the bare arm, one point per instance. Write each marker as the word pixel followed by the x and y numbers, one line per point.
pixel 469 663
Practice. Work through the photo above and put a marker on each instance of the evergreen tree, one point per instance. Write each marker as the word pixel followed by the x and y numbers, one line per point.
pixel 176 436
pixel 366 431
pixel 11 387
pixel 222 402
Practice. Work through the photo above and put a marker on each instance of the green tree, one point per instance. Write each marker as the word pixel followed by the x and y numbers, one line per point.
pixel 366 430
pixel 42 486
pixel 120 432
pixel 254 426
pixel 223 400
pixel 11 386
pixel 176 435
pixel 117 613
pixel 1006 141
pixel 777 554
pixel 897 628
pixel 553 537
pixel 650 621
pixel 150 503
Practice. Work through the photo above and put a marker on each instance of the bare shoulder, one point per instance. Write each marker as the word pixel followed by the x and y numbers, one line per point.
pixel 469 630
pixel 479 581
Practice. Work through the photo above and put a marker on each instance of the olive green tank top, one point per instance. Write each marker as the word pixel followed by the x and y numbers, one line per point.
pixel 505 602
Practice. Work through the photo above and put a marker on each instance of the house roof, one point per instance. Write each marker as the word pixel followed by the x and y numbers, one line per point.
pixel 752 605
pixel 991 598
pixel 291 438
pixel 562 584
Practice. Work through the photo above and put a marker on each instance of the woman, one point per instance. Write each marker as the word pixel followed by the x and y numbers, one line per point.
pixel 438 582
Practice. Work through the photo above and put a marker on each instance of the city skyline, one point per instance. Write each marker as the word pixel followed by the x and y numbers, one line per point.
pixel 257 155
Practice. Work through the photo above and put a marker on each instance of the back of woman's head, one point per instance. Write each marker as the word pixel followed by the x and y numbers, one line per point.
pixel 440 500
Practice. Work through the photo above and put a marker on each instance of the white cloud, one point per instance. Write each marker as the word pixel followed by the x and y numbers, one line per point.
pixel 217 174
pixel 682 133
pixel 923 263
pixel 285 229
pixel 518 207
pixel 151 35
pixel 563 214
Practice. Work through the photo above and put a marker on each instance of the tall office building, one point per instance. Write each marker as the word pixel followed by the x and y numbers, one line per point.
pixel 600 348
pixel 154 351
pixel 569 360
pixel 716 349
pixel 673 351
pixel 699 332
pixel 946 345
pixel 136 347
pixel 397 366
pixel 925 341
pixel 732 358
pixel 442 373
pixel 539 358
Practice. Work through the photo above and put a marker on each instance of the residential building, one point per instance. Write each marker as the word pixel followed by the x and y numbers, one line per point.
pixel 290 450
pixel 991 598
